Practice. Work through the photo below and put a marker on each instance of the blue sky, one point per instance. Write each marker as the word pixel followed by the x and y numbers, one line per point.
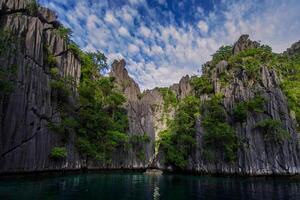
pixel 163 40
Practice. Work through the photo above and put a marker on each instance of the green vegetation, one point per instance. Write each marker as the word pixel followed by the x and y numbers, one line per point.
pixel 201 85
pixel 7 80
pixel 223 53
pixel 64 32
pixel 178 141
pixel 75 49
pixel 101 117
pixel 242 109
pixel 58 153
pixel 138 143
pixel 289 69
pixel 169 98
pixel 251 60
pixel 32 7
pixel 7 40
pixel 219 137
pixel 272 130
pixel 51 60
pixel 7 73
pixel 224 78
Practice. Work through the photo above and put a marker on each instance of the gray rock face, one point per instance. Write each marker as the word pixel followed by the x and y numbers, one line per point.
pixel 294 49
pixel 126 84
pixel 13 5
pixel 244 43
pixel 25 139
pixel 256 156
pixel 183 88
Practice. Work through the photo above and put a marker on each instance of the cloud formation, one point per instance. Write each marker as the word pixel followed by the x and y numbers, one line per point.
pixel 162 40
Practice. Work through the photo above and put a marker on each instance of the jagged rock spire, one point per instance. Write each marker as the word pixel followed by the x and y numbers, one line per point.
pixel 244 43
pixel 126 84
pixel 293 50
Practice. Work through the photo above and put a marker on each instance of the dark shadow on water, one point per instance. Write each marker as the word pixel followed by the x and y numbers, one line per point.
pixel 125 185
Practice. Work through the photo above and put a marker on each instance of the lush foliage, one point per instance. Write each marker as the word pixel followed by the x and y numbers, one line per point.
pixel 169 98
pixel 289 69
pixel 99 120
pixel 7 73
pixel 32 7
pixel 219 136
pixel 103 121
pixel 138 143
pixel 58 153
pixel 223 53
pixel 201 85
pixel 64 32
pixel 242 109
pixel 273 130
pixel 251 60
pixel 178 141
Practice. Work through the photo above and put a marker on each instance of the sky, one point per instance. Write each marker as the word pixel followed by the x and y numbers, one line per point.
pixel 163 40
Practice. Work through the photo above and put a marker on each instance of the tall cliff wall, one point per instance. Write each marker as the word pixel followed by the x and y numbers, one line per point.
pixel 25 139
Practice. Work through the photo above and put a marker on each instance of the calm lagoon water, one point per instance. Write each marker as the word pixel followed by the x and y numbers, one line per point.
pixel 138 186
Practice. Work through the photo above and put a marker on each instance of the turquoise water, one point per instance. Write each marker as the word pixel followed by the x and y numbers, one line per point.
pixel 138 186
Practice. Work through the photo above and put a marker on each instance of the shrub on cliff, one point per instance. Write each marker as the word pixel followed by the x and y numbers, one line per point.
pixel 178 141
pixel 223 53
pixel 58 153
pixel 219 137
pixel 251 60
pixel 273 130
pixel 137 144
pixel 242 109
pixel 289 70
pixel 63 32
pixel 201 85
pixel 32 7
pixel 7 73
pixel 102 118
pixel 169 98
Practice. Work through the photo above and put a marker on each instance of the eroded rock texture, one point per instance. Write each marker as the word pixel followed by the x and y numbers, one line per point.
pixel 25 139
pixel 256 155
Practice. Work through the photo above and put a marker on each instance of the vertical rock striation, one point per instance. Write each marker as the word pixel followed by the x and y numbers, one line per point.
pixel 25 139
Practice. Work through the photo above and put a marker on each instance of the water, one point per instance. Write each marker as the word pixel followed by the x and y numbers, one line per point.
pixel 138 186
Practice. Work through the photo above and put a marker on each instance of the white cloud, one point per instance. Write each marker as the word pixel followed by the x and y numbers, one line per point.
pixel 110 18
pixel 114 56
pixel 158 50
pixel 123 32
pixel 135 2
pixel 133 49
pixel 202 25
pixel 145 31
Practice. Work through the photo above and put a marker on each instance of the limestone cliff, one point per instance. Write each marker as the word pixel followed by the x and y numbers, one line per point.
pixel 25 139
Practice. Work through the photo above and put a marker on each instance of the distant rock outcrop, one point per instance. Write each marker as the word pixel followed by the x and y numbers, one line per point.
pixel 244 43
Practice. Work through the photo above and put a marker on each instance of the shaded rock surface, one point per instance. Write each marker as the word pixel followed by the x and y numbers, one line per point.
pixel 256 155
pixel 25 139
pixel 294 49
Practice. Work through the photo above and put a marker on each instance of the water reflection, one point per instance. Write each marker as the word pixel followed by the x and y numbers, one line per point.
pixel 138 186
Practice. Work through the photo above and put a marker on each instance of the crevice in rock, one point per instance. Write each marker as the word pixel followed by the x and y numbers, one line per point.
pixel 140 123
pixel 25 12
pixel 19 145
